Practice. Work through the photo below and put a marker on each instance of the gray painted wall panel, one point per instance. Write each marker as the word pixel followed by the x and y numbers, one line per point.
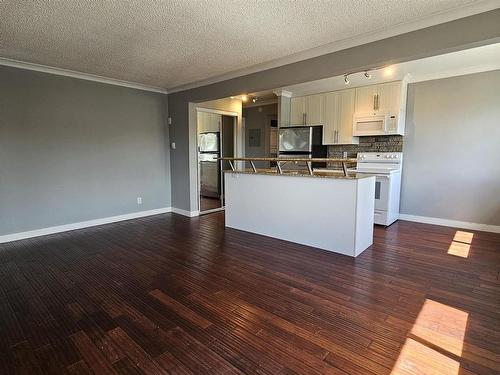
pixel 74 150
pixel 451 168
pixel 452 36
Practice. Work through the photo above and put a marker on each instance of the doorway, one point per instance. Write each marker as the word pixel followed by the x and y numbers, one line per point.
pixel 216 138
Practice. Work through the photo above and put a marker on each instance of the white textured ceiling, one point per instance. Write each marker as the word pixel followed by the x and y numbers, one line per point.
pixel 174 42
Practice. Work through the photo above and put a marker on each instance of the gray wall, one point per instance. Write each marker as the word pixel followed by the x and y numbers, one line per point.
pixel 456 35
pixel 451 168
pixel 74 150
pixel 259 120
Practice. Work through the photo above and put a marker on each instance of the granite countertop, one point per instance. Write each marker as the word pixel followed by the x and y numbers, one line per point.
pixel 331 174
pixel 290 159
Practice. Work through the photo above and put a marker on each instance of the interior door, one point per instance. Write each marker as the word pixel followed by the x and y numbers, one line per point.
pixel 227 148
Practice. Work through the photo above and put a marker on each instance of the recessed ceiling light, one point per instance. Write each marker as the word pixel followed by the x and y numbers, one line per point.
pixel 389 71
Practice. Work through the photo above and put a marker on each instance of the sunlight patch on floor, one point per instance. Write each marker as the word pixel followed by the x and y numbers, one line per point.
pixel 437 325
pixel 460 246
pixel 416 358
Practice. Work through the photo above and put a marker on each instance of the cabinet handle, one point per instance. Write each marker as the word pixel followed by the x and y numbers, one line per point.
pixel 374 102
pixel 378 102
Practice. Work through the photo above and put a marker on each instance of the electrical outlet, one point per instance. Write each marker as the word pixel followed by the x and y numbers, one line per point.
pixel 139 200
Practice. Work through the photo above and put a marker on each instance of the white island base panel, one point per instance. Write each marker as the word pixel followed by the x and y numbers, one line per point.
pixel 334 214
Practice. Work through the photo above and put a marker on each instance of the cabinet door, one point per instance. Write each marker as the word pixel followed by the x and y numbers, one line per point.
pixel 297 111
pixel 211 122
pixel 331 117
pixel 365 98
pixel 201 121
pixel 314 109
pixel 389 97
pixel 346 112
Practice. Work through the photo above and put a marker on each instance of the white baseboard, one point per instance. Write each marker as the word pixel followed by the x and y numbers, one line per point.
pixel 185 212
pixel 451 223
pixel 81 224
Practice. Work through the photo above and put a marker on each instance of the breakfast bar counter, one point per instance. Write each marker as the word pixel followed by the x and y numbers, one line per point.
pixel 330 211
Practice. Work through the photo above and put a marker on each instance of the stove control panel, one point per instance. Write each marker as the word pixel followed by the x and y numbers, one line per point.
pixel 393 157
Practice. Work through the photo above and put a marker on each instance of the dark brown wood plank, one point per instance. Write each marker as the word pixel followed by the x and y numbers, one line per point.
pixel 169 294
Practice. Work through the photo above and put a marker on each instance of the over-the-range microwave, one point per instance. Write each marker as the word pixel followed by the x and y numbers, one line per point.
pixel 375 123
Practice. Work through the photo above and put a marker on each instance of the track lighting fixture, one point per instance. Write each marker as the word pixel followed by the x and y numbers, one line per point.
pixel 254 99
pixel 346 79
pixel 368 75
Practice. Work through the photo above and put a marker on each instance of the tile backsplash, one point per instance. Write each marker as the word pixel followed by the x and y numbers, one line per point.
pixel 382 143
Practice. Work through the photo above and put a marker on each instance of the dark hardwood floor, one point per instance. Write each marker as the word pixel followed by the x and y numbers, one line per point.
pixel 169 294
pixel 207 203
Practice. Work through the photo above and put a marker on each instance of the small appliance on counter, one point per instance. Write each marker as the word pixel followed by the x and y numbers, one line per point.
pixel 302 142
pixel 386 166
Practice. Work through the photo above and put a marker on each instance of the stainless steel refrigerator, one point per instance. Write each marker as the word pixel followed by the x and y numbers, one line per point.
pixel 209 151
pixel 302 142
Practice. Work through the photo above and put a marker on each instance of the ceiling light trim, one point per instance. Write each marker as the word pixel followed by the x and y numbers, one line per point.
pixel 433 20
pixel 80 75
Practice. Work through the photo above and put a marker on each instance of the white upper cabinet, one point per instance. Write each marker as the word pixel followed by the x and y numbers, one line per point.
pixel 389 97
pixel 346 106
pixel 208 122
pixel 385 97
pixel 297 111
pixel 331 115
pixel 307 110
pixel 338 115
pixel 347 114
pixel 366 98
pixel 380 109
pixel 314 109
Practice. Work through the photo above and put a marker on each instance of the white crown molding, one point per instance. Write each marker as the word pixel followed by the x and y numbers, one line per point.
pixel 285 93
pixel 81 225
pixel 383 33
pixel 79 75
pixel 185 212
pixel 451 223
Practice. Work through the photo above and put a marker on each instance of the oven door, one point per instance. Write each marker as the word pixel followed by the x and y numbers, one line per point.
pixel 382 186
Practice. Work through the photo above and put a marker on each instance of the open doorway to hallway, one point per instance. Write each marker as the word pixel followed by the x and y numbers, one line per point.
pixel 216 138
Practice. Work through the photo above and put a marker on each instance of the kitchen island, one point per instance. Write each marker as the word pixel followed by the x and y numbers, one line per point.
pixel 325 210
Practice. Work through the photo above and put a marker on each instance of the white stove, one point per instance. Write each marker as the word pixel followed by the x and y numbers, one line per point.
pixel 386 166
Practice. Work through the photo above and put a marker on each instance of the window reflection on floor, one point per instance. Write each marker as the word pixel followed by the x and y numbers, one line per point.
pixel 460 246
pixel 435 341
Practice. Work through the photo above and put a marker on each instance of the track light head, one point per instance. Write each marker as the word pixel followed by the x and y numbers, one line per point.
pixel 368 75
pixel 346 79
